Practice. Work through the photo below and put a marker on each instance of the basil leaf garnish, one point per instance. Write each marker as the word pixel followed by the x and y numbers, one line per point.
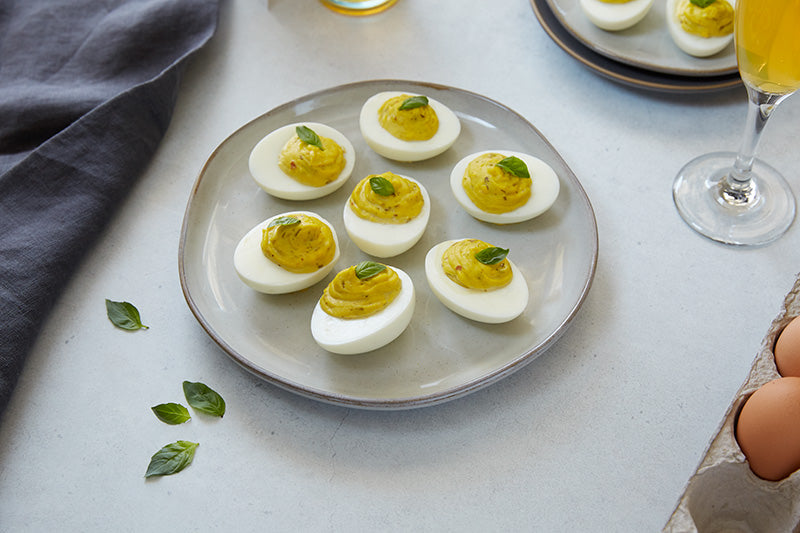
pixel 491 255
pixel 171 459
pixel 367 269
pixel 413 102
pixel 308 136
pixel 171 413
pixel 201 397
pixel 124 315
pixel 284 221
pixel 515 166
pixel 381 185
pixel 702 3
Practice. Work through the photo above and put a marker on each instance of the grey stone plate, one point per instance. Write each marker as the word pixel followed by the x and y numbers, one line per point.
pixel 441 355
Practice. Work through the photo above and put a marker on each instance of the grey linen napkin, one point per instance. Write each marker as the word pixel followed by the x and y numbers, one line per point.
pixel 87 90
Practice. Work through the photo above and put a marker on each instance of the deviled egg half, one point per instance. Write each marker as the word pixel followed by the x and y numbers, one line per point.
pixel 700 28
pixel 504 187
pixel 407 127
pixel 363 308
pixel 476 280
pixel 615 15
pixel 387 214
pixel 302 161
pixel 286 252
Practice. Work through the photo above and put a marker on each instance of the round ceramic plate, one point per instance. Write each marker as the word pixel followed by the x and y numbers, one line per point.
pixel 622 72
pixel 441 355
pixel 646 45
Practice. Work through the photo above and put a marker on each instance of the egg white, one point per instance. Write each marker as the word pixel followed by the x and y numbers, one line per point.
pixel 615 17
pixel 694 44
pixel 261 274
pixel 387 240
pixel 544 190
pixel 264 167
pixel 360 335
pixel 389 146
pixel 492 307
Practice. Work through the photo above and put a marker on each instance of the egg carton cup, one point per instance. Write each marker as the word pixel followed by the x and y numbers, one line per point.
pixel 724 495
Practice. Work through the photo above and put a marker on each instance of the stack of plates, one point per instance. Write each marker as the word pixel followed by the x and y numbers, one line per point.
pixel 642 56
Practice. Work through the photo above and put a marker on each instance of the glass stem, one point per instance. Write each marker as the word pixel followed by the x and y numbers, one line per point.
pixel 738 188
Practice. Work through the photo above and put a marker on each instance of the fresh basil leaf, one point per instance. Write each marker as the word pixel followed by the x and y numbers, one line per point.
pixel 284 221
pixel 367 269
pixel 171 459
pixel 702 3
pixel 124 315
pixel 381 186
pixel 413 102
pixel 171 413
pixel 203 398
pixel 515 166
pixel 308 136
pixel 491 255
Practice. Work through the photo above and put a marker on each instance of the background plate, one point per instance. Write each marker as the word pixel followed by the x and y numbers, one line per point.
pixel 624 73
pixel 646 45
pixel 441 355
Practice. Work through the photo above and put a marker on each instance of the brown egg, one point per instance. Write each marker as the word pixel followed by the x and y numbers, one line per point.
pixel 768 429
pixel 787 350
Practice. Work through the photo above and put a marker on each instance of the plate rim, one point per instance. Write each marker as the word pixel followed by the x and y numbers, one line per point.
pixel 409 402
pixel 624 73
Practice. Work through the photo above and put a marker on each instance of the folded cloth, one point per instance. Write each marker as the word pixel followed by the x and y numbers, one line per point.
pixel 87 90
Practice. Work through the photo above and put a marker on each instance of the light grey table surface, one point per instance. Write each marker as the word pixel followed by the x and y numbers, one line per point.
pixel 600 433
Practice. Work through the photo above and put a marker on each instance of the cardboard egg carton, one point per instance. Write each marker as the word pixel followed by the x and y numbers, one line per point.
pixel 724 495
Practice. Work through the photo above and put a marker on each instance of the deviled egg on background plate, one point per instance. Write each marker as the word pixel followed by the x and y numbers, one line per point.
pixel 697 44
pixel 616 15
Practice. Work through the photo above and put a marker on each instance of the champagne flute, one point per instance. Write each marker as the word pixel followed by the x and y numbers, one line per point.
pixel 736 198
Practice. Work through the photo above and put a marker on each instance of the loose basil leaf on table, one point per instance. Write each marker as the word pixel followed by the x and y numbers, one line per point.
pixel 171 459
pixel 203 398
pixel 171 413
pixel 124 315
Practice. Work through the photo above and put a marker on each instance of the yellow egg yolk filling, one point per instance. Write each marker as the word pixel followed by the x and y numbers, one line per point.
pixel 493 189
pixel 714 20
pixel 347 296
pixel 308 164
pixel 461 266
pixel 416 124
pixel 402 205
pixel 616 1
pixel 302 247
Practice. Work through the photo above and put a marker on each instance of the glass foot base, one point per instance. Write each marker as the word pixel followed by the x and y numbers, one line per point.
pixel 759 218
